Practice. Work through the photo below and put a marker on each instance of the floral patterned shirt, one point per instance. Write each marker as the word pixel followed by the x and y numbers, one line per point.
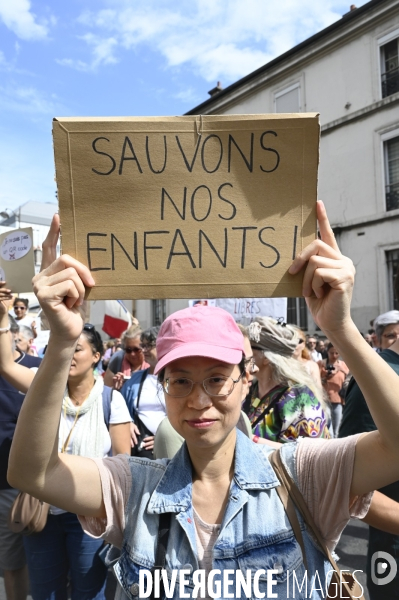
pixel 297 413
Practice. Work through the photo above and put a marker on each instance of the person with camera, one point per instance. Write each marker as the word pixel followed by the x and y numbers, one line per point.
pixel 334 375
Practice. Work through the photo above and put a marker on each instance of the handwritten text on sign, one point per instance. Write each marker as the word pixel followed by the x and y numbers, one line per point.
pixel 164 210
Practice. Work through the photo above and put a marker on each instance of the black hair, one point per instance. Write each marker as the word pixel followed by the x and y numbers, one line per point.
pixel 94 339
pixel 23 300
pixel 150 335
pixel 241 366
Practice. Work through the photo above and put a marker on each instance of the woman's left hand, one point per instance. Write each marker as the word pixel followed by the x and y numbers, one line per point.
pixel 148 442
pixel 328 279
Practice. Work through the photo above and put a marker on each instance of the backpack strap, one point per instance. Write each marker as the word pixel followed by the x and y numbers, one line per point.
pixel 163 535
pixel 145 373
pixel 107 399
pixel 269 407
pixel 295 496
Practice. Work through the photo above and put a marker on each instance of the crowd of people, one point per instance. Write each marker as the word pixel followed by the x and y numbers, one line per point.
pixel 214 399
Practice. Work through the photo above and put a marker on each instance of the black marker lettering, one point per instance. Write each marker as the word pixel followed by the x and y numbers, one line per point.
pixel 181 214
pixel 104 154
pixel 126 143
pixel 114 239
pixel 185 253
pixel 203 153
pixel 212 247
pixel 244 241
pixel 188 165
pixel 151 247
pixel 270 246
pixel 147 149
pixel 193 202
pixel 249 162
pixel 233 214
pixel 90 249
pixel 295 237
pixel 270 150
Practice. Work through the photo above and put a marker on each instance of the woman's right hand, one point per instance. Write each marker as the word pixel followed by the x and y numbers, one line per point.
pixel 6 298
pixel 118 380
pixel 60 289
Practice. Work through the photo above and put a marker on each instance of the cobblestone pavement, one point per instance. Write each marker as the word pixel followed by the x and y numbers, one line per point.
pixel 352 551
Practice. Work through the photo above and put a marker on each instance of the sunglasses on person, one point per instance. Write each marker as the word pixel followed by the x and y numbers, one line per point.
pixel 129 350
pixel 19 307
pixel 250 364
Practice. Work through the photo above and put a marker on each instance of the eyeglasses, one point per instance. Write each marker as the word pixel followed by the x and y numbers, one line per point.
pixel 19 307
pixel 147 346
pixel 257 348
pixel 130 350
pixel 216 386
pixel 250 364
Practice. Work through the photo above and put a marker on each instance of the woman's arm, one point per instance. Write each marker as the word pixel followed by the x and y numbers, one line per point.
pixel 120 438
pixel 327 287
pixel 315 372
pixel 70 482
pixel 17 375
pixel 109 378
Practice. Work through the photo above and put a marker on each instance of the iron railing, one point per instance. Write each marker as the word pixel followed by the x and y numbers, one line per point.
pixel 392 196
pixel 390 82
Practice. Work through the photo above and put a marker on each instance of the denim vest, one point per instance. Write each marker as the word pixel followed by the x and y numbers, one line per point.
pixel 255 532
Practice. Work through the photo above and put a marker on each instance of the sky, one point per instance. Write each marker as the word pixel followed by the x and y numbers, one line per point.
pixel 126 58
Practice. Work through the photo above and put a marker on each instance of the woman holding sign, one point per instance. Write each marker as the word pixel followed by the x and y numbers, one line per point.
pixel 220 489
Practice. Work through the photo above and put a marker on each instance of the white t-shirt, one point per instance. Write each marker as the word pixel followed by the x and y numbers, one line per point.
pixel 119 414
pixel 27 321
pixel 152 403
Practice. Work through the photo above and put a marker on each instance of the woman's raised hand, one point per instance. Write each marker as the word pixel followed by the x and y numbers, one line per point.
pixel 328 278
pixel 60 290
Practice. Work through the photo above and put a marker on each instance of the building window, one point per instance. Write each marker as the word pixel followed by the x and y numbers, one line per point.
pixel 392 259
pixel 390 68
pixel 288 100
pixel 158 311
pixel 297 312
pixel 391 159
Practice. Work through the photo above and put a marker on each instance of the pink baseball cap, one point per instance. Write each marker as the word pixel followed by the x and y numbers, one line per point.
pixel 199 331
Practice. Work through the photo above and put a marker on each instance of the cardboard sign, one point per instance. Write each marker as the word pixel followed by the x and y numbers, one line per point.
pixel 180 207
pixel 17 261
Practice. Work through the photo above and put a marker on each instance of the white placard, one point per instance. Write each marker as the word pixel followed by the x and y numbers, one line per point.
pixel 244 310
pixel 15 245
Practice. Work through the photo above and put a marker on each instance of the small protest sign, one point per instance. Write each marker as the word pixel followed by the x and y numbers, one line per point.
pixel 17 265
pixel 180 207
pixel 245 310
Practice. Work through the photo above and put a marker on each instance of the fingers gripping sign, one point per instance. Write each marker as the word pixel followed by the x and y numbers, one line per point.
pixel 328 277
pixel 6 298
pixel 60 289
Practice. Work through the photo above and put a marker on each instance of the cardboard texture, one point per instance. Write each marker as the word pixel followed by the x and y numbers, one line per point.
pixel 17 260
pixel 180 207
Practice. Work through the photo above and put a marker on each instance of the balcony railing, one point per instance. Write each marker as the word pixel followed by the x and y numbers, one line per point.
pixel 390 82
pixel 392 196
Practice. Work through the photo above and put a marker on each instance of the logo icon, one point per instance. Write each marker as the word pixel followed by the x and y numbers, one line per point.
pixel 383 568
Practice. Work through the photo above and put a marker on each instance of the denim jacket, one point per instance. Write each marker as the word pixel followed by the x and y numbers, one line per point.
pixel 255 532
